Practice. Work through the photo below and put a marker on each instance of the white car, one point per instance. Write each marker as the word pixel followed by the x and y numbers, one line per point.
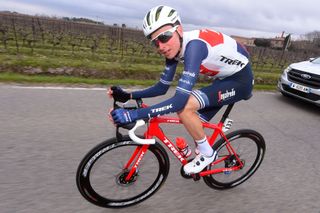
pixel 302 80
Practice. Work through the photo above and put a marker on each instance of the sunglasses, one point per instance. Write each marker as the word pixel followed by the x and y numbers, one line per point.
pixel 163 37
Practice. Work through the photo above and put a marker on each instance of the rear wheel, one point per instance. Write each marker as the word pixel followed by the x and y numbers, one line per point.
pixel 101 177
pixel 249 147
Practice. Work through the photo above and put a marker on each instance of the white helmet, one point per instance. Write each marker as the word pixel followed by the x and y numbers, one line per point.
pixel 158 17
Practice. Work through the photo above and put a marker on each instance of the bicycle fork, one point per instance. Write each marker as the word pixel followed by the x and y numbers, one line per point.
pixel 136 157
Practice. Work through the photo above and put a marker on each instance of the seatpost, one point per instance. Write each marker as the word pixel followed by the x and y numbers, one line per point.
pixel 226 113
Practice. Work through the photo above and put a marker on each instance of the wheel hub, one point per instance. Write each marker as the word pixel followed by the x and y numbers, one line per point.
pixel 121 178
pixel 231 161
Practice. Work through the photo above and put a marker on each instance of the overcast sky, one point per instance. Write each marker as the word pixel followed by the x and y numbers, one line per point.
pixel 250 18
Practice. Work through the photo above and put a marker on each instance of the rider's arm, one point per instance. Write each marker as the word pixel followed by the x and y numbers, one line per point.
pixel 162 86
pixel 195 52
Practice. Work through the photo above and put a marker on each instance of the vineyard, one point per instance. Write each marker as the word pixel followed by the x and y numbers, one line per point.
pixel 39 45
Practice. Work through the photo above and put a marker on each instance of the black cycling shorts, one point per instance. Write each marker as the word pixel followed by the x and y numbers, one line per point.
pixel 224 92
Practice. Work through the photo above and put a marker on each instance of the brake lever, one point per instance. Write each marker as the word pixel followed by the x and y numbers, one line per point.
pixel 128 126
pixel 119 136
pixel 115 105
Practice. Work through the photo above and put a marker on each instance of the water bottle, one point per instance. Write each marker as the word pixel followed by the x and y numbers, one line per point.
pixel 183 147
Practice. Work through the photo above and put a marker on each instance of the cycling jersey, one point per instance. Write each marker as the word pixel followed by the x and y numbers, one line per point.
pixel 203 51
pixel 223 57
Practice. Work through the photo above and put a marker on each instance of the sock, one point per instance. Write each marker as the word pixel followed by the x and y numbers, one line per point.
pixel 204 147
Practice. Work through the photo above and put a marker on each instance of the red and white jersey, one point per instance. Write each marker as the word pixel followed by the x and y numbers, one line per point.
pixel 225 56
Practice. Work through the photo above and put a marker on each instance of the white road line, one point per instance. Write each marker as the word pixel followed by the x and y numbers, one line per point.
pixel 55 88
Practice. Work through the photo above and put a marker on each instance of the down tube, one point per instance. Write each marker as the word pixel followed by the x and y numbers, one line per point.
pixel 161 136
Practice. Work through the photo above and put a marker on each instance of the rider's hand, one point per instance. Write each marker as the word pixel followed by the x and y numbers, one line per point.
pixel 123 116
pixel 118 94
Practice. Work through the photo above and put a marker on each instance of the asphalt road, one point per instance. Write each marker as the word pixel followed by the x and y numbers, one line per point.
pixel 44 133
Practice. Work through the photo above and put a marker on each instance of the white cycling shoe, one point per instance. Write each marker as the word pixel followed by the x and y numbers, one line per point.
pixel 199 163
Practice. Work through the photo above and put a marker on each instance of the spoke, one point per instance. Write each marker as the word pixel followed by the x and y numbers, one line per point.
pixel 121 165
pixel 243 148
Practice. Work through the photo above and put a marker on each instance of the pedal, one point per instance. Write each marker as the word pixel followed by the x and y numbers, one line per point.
pixel 196 177
pixel 183 174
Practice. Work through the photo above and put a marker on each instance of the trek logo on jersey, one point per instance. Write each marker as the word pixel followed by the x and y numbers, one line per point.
pixel 231 61
pixel 161 109
pixel 226 95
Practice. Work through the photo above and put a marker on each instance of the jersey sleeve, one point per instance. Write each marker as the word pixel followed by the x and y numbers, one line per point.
pixel 162 86
pixel 195 52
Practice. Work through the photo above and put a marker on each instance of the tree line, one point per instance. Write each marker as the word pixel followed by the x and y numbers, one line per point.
pixel 33 32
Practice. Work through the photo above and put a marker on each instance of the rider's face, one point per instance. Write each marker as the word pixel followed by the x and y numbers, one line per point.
pixel 169 48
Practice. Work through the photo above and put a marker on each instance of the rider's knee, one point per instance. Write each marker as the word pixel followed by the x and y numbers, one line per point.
pixel 190 108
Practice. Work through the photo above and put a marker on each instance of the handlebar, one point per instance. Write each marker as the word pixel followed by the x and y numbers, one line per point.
pixel 138 101
pixel 135 138
pixel 134 125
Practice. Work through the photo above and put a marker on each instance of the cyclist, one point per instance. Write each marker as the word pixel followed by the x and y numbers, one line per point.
pixel 202 52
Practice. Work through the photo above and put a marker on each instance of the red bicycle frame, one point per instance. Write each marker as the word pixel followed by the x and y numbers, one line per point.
pixel 154 130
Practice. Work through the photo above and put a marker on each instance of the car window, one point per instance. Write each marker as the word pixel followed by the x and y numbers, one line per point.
pixel 316 61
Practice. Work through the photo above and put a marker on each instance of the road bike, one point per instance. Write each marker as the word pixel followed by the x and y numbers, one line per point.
pixel 127 169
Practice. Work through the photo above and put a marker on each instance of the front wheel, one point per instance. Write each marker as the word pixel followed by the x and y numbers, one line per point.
pixel 101 177
pixel 249 147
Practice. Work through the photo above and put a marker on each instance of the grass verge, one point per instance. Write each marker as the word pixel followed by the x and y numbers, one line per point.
pixel 10 77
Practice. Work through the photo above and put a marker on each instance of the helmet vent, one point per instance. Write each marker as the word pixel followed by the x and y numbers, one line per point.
pixel 148 18
pixel 171 12
pixel 159 16
pixel 158 12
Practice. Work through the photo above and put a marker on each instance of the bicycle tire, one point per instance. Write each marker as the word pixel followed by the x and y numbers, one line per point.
pixel 238 139
pixel 93 177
